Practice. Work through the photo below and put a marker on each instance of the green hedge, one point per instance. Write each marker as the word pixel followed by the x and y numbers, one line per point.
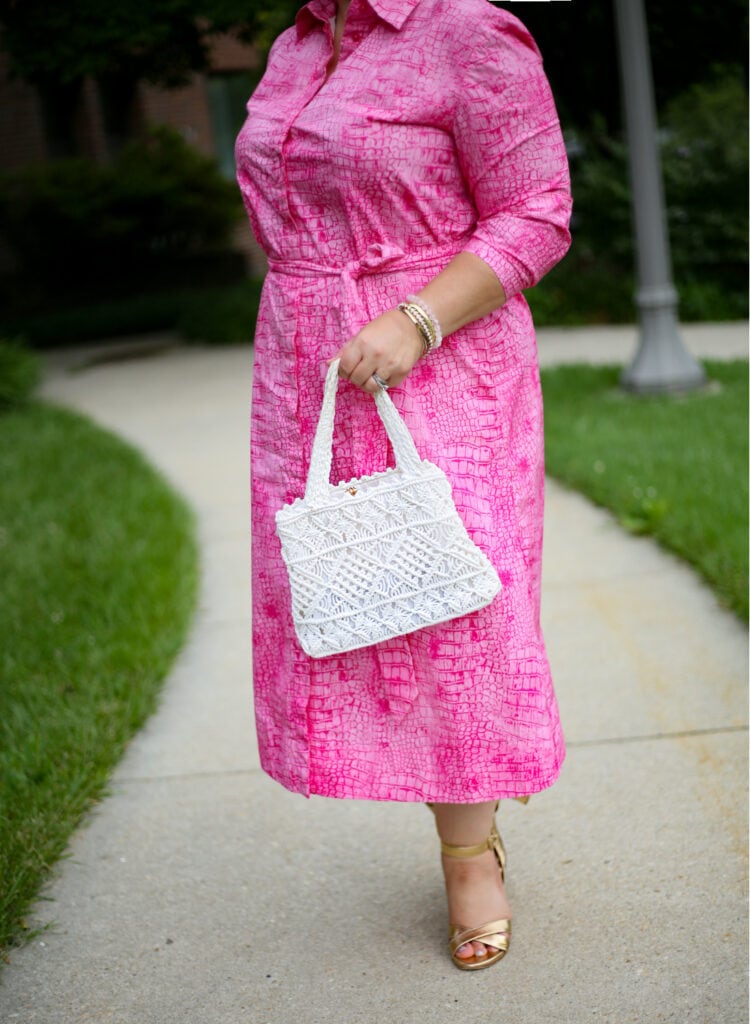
pixel 82 228
pixel 216 315
pixel 705 167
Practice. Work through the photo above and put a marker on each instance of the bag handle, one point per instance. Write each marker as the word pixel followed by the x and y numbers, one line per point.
pixel 404 449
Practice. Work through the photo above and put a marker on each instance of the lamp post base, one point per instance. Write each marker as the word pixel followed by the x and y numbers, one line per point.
pixel 662 363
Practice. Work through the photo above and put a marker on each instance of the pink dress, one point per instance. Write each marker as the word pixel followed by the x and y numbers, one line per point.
pixel 436 134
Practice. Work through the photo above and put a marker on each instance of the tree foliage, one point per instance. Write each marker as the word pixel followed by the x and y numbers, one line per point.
pixel 705 168
pixel 59 42
pixel 579 46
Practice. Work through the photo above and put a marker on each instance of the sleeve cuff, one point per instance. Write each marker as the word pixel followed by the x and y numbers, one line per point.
pixel 514 277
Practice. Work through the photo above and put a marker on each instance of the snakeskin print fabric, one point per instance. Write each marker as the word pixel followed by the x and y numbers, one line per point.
pixel 435 134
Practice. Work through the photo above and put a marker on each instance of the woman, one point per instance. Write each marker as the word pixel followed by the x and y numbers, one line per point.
pixel 402 148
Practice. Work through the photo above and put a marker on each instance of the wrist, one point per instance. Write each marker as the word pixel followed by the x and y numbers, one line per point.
pixel 425 321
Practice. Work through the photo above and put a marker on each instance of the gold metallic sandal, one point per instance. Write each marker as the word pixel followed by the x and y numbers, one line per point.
pixel 494 933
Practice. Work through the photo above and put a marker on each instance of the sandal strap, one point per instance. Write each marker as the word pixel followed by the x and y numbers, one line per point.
pixel 494 933
pixel 466 851
pixel 492 842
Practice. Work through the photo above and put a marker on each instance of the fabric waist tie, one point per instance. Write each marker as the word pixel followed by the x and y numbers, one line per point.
pixel 378 259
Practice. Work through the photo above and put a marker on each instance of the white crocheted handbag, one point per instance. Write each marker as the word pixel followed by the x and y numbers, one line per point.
pixel 379 556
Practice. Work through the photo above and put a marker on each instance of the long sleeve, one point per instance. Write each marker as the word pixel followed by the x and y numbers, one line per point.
pixel 512 155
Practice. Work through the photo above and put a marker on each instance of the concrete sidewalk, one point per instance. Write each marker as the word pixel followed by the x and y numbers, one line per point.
pixel 200 892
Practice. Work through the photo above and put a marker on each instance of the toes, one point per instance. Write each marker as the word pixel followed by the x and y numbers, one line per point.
pixel 475 951
pixel 472 949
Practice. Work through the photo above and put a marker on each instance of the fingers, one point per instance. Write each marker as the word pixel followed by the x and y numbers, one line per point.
pixel 388 346
pixel 360 374
pixel 359 367
pixel 361 357
pixel 367 379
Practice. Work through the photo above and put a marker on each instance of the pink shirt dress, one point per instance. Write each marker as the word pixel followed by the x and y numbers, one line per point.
pixel 436 134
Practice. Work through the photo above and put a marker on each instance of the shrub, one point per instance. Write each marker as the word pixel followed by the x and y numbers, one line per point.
pixel 705 175
pixel 73 224
pixel 93 321
pixel 222 317
pixel 19 373
pixel 215 315
pixel 705 166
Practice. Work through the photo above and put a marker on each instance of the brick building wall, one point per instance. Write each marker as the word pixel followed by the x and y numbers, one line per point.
pixel 22 139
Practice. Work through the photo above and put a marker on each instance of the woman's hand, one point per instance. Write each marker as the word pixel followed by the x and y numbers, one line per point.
pixel 465 290
pixel 389 346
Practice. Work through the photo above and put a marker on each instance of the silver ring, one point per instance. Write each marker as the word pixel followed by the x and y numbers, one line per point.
pixel 382 384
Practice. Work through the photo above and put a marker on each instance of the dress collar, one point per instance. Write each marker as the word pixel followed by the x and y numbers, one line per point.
pixel 394 12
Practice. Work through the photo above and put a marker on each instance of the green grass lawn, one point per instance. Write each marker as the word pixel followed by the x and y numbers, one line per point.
pixel 674 467
pixel 99 577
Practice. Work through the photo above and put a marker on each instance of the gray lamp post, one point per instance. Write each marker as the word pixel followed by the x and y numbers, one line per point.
pixel 662 362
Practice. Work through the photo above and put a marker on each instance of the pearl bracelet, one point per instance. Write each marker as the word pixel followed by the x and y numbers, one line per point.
pixel 421 321
pixel 437 333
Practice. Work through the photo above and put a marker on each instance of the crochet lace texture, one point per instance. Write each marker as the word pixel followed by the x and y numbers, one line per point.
pixel 377 557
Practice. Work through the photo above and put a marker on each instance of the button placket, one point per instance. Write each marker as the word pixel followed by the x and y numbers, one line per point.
pixel 317 81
